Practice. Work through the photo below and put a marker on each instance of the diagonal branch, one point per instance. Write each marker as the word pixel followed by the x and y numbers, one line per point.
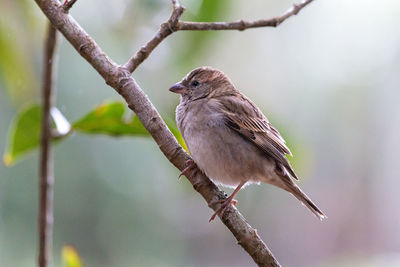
pixel 46 178
pixel 173 24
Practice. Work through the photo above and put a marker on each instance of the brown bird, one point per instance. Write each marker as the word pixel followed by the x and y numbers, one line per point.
pixel 229 138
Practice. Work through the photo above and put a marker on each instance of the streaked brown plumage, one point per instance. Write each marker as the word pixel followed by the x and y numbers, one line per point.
pixel 230 139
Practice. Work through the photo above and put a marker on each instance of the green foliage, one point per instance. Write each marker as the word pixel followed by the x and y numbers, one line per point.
pixel 108 118
pixel 70 257
pixel 24 134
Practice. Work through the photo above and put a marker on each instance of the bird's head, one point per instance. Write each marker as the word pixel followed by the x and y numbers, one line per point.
pixel 203 82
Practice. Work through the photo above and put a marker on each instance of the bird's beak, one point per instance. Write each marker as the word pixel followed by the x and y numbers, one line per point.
pixel 178 88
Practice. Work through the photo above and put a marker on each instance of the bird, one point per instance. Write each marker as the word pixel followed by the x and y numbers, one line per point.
pixel 229 138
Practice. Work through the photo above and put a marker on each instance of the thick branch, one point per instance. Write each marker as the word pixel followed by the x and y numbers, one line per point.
pixel 46 179
pixel 173 24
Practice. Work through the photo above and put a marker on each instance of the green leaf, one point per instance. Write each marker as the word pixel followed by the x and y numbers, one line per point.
pixel 70 257
pixel 108 118
pixel 24 134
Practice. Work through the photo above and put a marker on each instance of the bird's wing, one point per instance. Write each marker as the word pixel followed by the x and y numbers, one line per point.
pixel 243 116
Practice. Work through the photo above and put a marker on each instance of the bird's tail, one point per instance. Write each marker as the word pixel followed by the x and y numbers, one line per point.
pixel 291 187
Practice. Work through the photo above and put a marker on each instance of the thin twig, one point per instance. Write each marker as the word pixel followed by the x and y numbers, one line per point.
pixel 242 25
pixel 166 29
pixel 68 5
pixel 175 4
pixel 46 178
pixel 173 24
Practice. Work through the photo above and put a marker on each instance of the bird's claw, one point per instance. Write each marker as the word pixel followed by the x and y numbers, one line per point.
pixel 224 205
pixel 190 167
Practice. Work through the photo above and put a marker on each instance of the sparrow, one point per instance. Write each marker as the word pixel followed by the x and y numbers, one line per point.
pixel 229 138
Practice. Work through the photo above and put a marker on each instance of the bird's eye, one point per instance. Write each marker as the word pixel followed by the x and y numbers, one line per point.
pixel 195 83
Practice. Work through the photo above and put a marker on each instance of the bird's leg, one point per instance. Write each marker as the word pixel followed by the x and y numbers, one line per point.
pixel 190 167
pixel 225 202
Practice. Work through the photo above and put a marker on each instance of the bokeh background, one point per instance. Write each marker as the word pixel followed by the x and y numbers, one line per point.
pixel 329 79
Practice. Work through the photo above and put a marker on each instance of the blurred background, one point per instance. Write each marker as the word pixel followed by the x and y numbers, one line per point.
pixel 328 79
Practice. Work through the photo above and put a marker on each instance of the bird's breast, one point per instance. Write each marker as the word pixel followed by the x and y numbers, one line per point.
pixel 216 149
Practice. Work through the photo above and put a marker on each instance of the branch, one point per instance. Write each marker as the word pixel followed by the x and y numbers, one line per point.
pixel 242 25
pixel 173 25
pixel 46 179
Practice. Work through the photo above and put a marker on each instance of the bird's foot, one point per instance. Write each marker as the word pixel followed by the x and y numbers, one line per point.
pixel 191 167
pixel 224 205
